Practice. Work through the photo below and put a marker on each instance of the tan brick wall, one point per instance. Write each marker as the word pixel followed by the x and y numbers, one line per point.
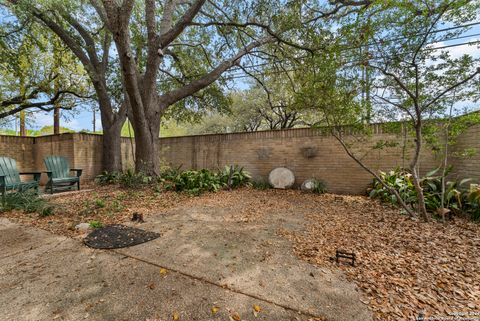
pixel 467 166
pixel 258 152
pixel 20 149
pixel 87 151
pixel 44 146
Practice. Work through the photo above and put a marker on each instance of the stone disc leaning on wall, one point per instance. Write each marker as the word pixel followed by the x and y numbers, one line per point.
pixel 281 177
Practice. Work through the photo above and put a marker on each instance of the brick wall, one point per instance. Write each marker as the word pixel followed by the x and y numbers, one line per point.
pixel 20 149
pixel 258 152
pixel 467 166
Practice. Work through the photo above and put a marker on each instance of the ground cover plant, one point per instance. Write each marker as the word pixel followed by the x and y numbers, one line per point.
pixel 193 182
pixel 26 201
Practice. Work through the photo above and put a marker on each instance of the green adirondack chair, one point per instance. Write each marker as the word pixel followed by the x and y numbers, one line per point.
pixel 58 172
pixel 10 178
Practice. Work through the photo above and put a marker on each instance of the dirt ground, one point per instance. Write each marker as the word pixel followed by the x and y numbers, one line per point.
pixel 269 248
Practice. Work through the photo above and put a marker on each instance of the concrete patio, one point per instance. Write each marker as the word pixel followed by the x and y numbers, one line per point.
pixel 213 259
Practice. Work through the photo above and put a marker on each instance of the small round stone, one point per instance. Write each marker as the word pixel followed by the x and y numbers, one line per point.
pixel 308 185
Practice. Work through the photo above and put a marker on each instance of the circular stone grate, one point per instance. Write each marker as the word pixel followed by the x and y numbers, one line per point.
pixel 116 236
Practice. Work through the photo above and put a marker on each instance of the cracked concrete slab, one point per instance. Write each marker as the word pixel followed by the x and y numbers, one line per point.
pixel 249 257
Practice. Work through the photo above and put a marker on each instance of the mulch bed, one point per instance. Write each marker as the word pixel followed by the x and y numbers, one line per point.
pixel 116 236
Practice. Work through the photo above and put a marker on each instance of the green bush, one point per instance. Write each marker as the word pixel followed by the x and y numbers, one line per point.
pixel 128 179
pixel 261 185
pixel 455 193
pixel 107 178
pixel 472 201
pixel 173 179
pixel 235 176
pixel 193 182
pixel 319 187
pixel 457 197
pixel 399 179
pixel 132 179
pixel 27 201
pixel 196 182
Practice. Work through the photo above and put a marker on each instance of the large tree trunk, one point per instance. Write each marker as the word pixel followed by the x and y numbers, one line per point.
pixel 111 148
pixel 112 128
pixel 147 146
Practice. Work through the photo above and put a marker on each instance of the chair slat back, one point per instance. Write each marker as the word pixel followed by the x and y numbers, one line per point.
pixel 58 165
pixel 8 168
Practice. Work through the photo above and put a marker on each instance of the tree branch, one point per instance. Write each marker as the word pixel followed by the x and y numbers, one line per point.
pixel 166 38
pixel 173 96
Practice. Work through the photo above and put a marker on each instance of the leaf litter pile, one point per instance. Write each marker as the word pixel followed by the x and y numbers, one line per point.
pixel 404 267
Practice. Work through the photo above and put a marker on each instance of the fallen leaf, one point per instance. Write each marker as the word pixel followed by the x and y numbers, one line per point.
pixel 151 286
pixel 163 271
pixel 175 315
pixel 235 317
pixel 256 310
pixel 215 310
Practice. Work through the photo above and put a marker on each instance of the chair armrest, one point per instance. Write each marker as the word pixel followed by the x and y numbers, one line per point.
pixel 36 175
pixel 78 170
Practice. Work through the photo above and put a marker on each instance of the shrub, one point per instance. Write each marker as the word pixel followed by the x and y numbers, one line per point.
pixel 132 179
pixel 319 187
pixel 473 202
pixel 128 179
pixel 27 201
pixel 196 182
pixel 193 182
pixel 235 176
pixel 107 178
pixel 399 179
pixel 261 185
pixel 457 197
pixel 455 192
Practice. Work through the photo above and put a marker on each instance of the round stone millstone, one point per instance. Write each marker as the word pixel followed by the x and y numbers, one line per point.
pixel 281 177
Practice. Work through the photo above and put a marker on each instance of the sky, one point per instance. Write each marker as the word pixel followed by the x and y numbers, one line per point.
pixel 83 119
